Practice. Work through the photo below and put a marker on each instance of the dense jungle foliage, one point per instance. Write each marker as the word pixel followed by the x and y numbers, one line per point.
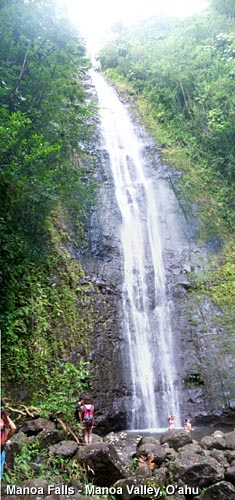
pixel 181 76
pixel 45 130
pixel 184 73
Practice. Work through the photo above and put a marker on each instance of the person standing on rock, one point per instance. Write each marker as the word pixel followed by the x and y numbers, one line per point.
pixel 171 422
pixel 77 413
pixel 5 424
pixel 87 417
pixel 188 425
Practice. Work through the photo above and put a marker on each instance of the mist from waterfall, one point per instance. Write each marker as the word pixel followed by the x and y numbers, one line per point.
pixel 146 311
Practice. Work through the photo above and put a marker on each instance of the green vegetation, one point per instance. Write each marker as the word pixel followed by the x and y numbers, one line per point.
pixel 219 283
pixel 26 466
pixel 45 133
pixel 64 382
pixel 50 319
pixel 183 75
pixel 179 75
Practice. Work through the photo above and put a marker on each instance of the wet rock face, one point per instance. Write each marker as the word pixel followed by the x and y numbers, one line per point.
pixel 103 264
pixel 204 362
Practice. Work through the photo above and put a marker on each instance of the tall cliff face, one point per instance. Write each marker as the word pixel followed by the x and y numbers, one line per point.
pixel 103 265
pixel 203 352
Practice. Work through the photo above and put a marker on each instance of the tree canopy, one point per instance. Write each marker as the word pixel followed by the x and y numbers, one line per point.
pixel 45 129
pixel 44 112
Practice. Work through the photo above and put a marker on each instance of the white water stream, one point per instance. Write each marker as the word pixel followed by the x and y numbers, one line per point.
pixel 146 311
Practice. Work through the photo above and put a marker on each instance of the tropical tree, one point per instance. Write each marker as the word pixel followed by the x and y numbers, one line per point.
pixel 45 129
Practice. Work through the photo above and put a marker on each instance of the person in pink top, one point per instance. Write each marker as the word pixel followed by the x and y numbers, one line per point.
pixel 171 422
pixel 87 418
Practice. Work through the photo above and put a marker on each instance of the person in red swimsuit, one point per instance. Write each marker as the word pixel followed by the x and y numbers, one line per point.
pixel 87 418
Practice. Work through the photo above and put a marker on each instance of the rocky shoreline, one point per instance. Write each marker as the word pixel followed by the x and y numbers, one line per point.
pixel 183 468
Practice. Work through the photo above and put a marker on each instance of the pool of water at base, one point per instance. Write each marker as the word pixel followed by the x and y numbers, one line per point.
pixel 197 434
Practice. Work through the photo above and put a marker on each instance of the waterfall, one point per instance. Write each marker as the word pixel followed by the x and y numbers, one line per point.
pixel 146 310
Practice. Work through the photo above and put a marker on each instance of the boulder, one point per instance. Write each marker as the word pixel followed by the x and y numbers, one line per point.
pixel 159 452
pixel 176 438
pixel 27 490
pixel 230 475
pixel 33 427
pixel 139 487
pixel 193 447
pixel 49 438
pixel 220 457
pixel 96 438
pixel 40 489
pixel 102 463
pixel 230 455
pixel 148 439
pixel 39 484
pixel 171 454
pixel 161 475
pixel 218 434
pixel 125 445
pixel 196 470
pixel 230 440
pixel 65 449
pixel 143 470
pixel 213 442
pixel 21 438
pixel 219 491
pixel 13 448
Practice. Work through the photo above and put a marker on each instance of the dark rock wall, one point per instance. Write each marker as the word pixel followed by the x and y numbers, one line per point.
pixel 204 362
pixel 103 265
pixel 203 344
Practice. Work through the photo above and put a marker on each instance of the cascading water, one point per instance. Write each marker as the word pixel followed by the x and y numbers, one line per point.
pixel 146 311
